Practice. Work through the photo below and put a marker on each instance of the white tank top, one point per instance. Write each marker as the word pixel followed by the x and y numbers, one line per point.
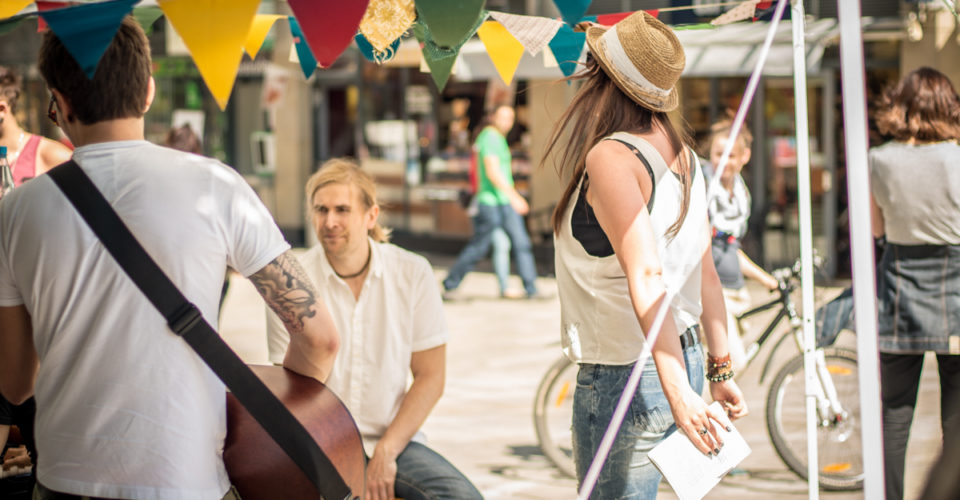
pixel 598 323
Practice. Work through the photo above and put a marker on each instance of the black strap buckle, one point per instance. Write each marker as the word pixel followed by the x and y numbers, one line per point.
pixel 185 319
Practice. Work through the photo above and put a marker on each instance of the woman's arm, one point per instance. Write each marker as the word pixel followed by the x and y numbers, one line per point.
pixel 618 190
pixel 752 271
pixel 876 219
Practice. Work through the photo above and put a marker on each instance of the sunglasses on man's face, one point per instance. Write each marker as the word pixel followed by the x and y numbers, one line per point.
pixel 52 110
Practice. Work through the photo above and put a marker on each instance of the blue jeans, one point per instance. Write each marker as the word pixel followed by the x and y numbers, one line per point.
pixel 627 473
pixel 500 257
pixel 489 218
pixel 422 474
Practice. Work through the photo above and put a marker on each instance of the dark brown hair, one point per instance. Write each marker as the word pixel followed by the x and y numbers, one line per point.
pixel 599 109
pixel 9 87
pixel 183 138
pixel 922 106
pixel 119 87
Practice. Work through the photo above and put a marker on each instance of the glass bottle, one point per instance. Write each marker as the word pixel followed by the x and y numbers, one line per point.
pixel 6 175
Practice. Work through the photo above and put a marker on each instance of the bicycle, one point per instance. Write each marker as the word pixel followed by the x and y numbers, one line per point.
pixel 838 403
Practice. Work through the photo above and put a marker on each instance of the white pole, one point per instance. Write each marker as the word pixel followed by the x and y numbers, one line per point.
pixel 861 244
pixel 806 241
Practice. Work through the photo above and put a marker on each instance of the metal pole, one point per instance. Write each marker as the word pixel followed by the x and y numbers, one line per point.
pixel 806 241
pixel 828 147
pixel 861 243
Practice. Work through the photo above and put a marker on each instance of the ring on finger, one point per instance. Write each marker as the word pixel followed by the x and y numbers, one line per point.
pixel 703 431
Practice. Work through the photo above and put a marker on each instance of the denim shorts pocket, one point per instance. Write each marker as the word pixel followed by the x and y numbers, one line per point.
pixel 585 376
pixel 651 421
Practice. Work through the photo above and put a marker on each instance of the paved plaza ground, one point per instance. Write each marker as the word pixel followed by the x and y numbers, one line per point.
pixel 498 352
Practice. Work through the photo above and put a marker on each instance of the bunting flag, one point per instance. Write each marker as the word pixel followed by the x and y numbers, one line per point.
pixel 43 5
pixel 440 68
pixel 87 30
pixel 328 25
pixel 746 10
pixel 370 53
pixel 567 46
pixel 450 23
pixel 503 48
pixel 258 32
pixel 572 10
pixel 146 16
pixel 308 63
pixel 386 21
pixel 611 19
pixel 7 25
pixel 216 47
pixel 11 7
pixel 531 31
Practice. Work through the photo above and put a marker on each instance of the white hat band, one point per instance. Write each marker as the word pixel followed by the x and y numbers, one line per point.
pixel 623 64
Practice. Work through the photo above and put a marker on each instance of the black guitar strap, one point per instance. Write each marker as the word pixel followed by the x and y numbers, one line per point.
pixel 186 321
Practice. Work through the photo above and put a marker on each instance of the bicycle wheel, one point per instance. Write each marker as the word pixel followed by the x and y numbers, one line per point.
pixel 553 414
pixel 838 436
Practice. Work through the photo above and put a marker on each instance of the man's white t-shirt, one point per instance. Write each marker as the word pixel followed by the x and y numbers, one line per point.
pixel 125 408
pixel 399 312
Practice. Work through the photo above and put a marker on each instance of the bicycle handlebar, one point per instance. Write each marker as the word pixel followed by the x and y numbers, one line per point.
pixel 785 275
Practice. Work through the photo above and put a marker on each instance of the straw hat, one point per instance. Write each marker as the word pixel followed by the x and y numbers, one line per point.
pixel 642 56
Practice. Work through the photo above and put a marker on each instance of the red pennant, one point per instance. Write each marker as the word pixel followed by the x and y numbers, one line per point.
pixel 764 5
pixel 611 19
pixel 654 12
pixel 43 5
pixel 328 25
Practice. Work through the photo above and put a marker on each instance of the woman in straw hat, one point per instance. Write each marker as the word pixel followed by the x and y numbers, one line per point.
pixel 630 227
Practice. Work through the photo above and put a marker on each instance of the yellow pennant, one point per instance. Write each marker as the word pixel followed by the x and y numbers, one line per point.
pixel 258 32
pixel 214 32
pixel 504 49
pixel 11 7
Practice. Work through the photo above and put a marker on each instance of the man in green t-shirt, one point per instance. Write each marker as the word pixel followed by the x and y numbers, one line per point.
pixel 499 205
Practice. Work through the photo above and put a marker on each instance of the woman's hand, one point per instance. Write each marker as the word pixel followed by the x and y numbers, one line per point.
pixel 728 394
pixel 698 421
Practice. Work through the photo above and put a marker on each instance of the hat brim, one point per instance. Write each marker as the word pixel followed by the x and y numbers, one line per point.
pixel 625 84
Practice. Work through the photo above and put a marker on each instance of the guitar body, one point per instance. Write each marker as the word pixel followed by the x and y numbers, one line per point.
pixel 260 469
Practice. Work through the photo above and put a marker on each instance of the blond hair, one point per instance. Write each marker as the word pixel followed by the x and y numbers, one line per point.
pixel 347 172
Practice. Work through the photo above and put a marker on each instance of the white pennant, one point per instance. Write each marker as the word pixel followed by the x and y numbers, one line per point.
pixel 746 10
pixel 531 31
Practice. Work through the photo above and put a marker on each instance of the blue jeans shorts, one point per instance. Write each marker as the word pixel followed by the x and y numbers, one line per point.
pixel 627 473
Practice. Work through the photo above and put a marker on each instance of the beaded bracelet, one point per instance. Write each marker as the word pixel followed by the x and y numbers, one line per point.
pixel 720 377
pixel 719 369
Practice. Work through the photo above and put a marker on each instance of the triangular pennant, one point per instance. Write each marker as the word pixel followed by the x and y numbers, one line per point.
pixel 567 47
pixel 440 68
pixel 450 23
pixel 533 32
pixel 746 10
pixel 503 48
pixel 87 30
pixel 11 7
pixel 371 54
pixel 308 63
pixel 385 21
pixel 572 10
pixel 146 16
pixel 216 47
pixel 611 19
pixel 328 25
pixel 258 32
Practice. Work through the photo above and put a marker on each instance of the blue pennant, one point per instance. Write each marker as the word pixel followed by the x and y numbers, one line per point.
pixel 567 47
pixel 371 54
pixel 87 30
pixel 572 10
pixel 308 63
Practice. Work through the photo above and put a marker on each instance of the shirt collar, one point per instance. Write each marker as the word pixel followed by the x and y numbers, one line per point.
pixel 376 262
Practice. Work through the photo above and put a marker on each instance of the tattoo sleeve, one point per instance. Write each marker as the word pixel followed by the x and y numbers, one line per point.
pixel 288 291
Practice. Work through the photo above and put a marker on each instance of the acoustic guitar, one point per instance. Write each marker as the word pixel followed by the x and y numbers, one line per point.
pixel 260 469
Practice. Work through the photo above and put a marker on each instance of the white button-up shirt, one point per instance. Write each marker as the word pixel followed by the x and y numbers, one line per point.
pixel 399 312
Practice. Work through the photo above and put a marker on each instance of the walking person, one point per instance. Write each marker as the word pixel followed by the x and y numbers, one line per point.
pixel 125 407
pixel 729 209
pixel 631 226
pixel 499 205
pixel 915 201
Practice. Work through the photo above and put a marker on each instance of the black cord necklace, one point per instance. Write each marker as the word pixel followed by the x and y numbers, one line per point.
pixel 358 273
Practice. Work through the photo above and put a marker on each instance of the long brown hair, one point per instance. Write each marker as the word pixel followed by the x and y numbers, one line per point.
pixel 922 106
pixel 599 109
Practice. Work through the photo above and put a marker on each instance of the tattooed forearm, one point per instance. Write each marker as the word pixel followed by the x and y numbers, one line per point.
pixel 288 291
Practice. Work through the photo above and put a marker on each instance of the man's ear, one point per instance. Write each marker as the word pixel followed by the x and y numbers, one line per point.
pixel 746 152
pixel 64 108
pixel 151 93
pixel 374 214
